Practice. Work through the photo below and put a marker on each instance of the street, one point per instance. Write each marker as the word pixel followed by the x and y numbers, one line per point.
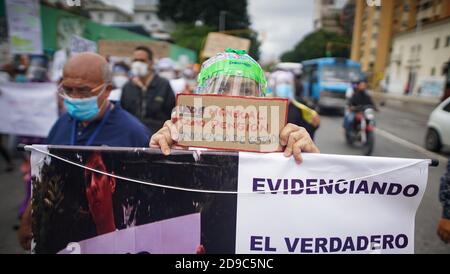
pixel 400 133
pixel 401 130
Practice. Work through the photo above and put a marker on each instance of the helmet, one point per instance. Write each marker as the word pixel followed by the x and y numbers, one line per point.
pixel 232 72
pixel 359 78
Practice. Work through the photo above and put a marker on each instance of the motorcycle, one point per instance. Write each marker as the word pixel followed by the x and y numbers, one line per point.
pixel 363 129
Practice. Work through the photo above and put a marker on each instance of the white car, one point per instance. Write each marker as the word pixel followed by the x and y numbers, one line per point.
pixel 438 133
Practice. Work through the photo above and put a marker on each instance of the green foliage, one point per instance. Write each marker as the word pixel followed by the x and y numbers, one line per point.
pixel 185 13
pixel 189 11
pixel 190 36
pixel 255 43
pixel 317 45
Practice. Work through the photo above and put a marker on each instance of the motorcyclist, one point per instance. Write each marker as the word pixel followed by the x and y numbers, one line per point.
pixel 358 99
pixel 234 72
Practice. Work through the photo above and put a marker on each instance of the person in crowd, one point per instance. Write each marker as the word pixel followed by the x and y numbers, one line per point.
pixel 29 69
pixel 234 72
pixel 5 154
pixel 91 119
pixel 284 86
pixel 359 97
pixel 147 96
pixel 443 229
pixel 119 79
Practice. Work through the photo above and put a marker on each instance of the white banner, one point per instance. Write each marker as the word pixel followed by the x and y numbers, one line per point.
pixel 368 205
pixel 249 203
pixel 24 26
pixel 28 109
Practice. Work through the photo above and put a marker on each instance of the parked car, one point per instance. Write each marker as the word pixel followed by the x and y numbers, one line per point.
pixel 438 132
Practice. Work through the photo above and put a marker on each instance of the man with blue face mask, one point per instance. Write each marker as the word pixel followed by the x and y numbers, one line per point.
pixel 91 119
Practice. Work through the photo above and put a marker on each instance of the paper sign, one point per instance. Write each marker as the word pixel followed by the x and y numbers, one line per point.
pixel 218 42
pixel 24 26
pixel 230 122
pixel 79 44
pixel 125 48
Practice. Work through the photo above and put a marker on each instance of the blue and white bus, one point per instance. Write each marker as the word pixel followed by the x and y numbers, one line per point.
pixel 326 80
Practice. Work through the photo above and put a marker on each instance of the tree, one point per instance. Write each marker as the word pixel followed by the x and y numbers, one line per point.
pixel 318 44
pixel 185 13
pixel 190 36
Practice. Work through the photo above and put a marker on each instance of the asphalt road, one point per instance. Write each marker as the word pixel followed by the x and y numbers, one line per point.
pixel 401 131
pixel 401 134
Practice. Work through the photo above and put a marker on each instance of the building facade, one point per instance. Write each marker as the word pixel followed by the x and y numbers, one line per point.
pixel 378 22
pixel 327 16
pixel 417 59
pixel 146 14
pixel 105 14
pixel 372 33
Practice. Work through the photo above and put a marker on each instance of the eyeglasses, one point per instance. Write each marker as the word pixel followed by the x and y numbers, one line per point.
pixel 79 92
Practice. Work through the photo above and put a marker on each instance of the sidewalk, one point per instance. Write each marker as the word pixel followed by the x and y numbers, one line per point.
pixel 413 104
pixel 428 101
pixel 11 194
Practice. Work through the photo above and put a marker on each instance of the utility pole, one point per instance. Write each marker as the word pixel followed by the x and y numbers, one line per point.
pixel 222 19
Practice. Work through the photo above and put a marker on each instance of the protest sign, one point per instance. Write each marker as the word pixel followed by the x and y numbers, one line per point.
pixel 28 109
pixel 79 44
pixel 24 26
pixel 246 202
pixel 218 42
pixel 119 48
pixel 231 122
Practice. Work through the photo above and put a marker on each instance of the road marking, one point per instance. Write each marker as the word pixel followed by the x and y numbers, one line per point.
pixel 410 145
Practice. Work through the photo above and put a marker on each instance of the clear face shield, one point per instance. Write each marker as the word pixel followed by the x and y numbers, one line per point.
pixel 231 85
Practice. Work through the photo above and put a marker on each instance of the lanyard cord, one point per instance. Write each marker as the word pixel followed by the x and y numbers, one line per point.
pixel 94 134
pixel 214 191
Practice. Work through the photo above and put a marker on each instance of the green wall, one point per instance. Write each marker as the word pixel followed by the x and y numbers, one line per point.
pixel 51 18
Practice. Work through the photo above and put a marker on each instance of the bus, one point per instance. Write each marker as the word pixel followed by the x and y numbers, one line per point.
pixel 326 80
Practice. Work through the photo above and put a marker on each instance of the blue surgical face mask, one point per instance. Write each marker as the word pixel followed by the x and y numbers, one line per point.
pixel 82 109
pixel 284 91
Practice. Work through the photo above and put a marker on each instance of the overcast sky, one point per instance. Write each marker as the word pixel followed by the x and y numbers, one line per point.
pixel 281 23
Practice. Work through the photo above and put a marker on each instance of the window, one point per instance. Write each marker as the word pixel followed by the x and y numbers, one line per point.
pixel 433 71
pixel 147 17
pixel 447 107
pixel 436 43
pixel 406 7
pixel 100 16
pixel 447 43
